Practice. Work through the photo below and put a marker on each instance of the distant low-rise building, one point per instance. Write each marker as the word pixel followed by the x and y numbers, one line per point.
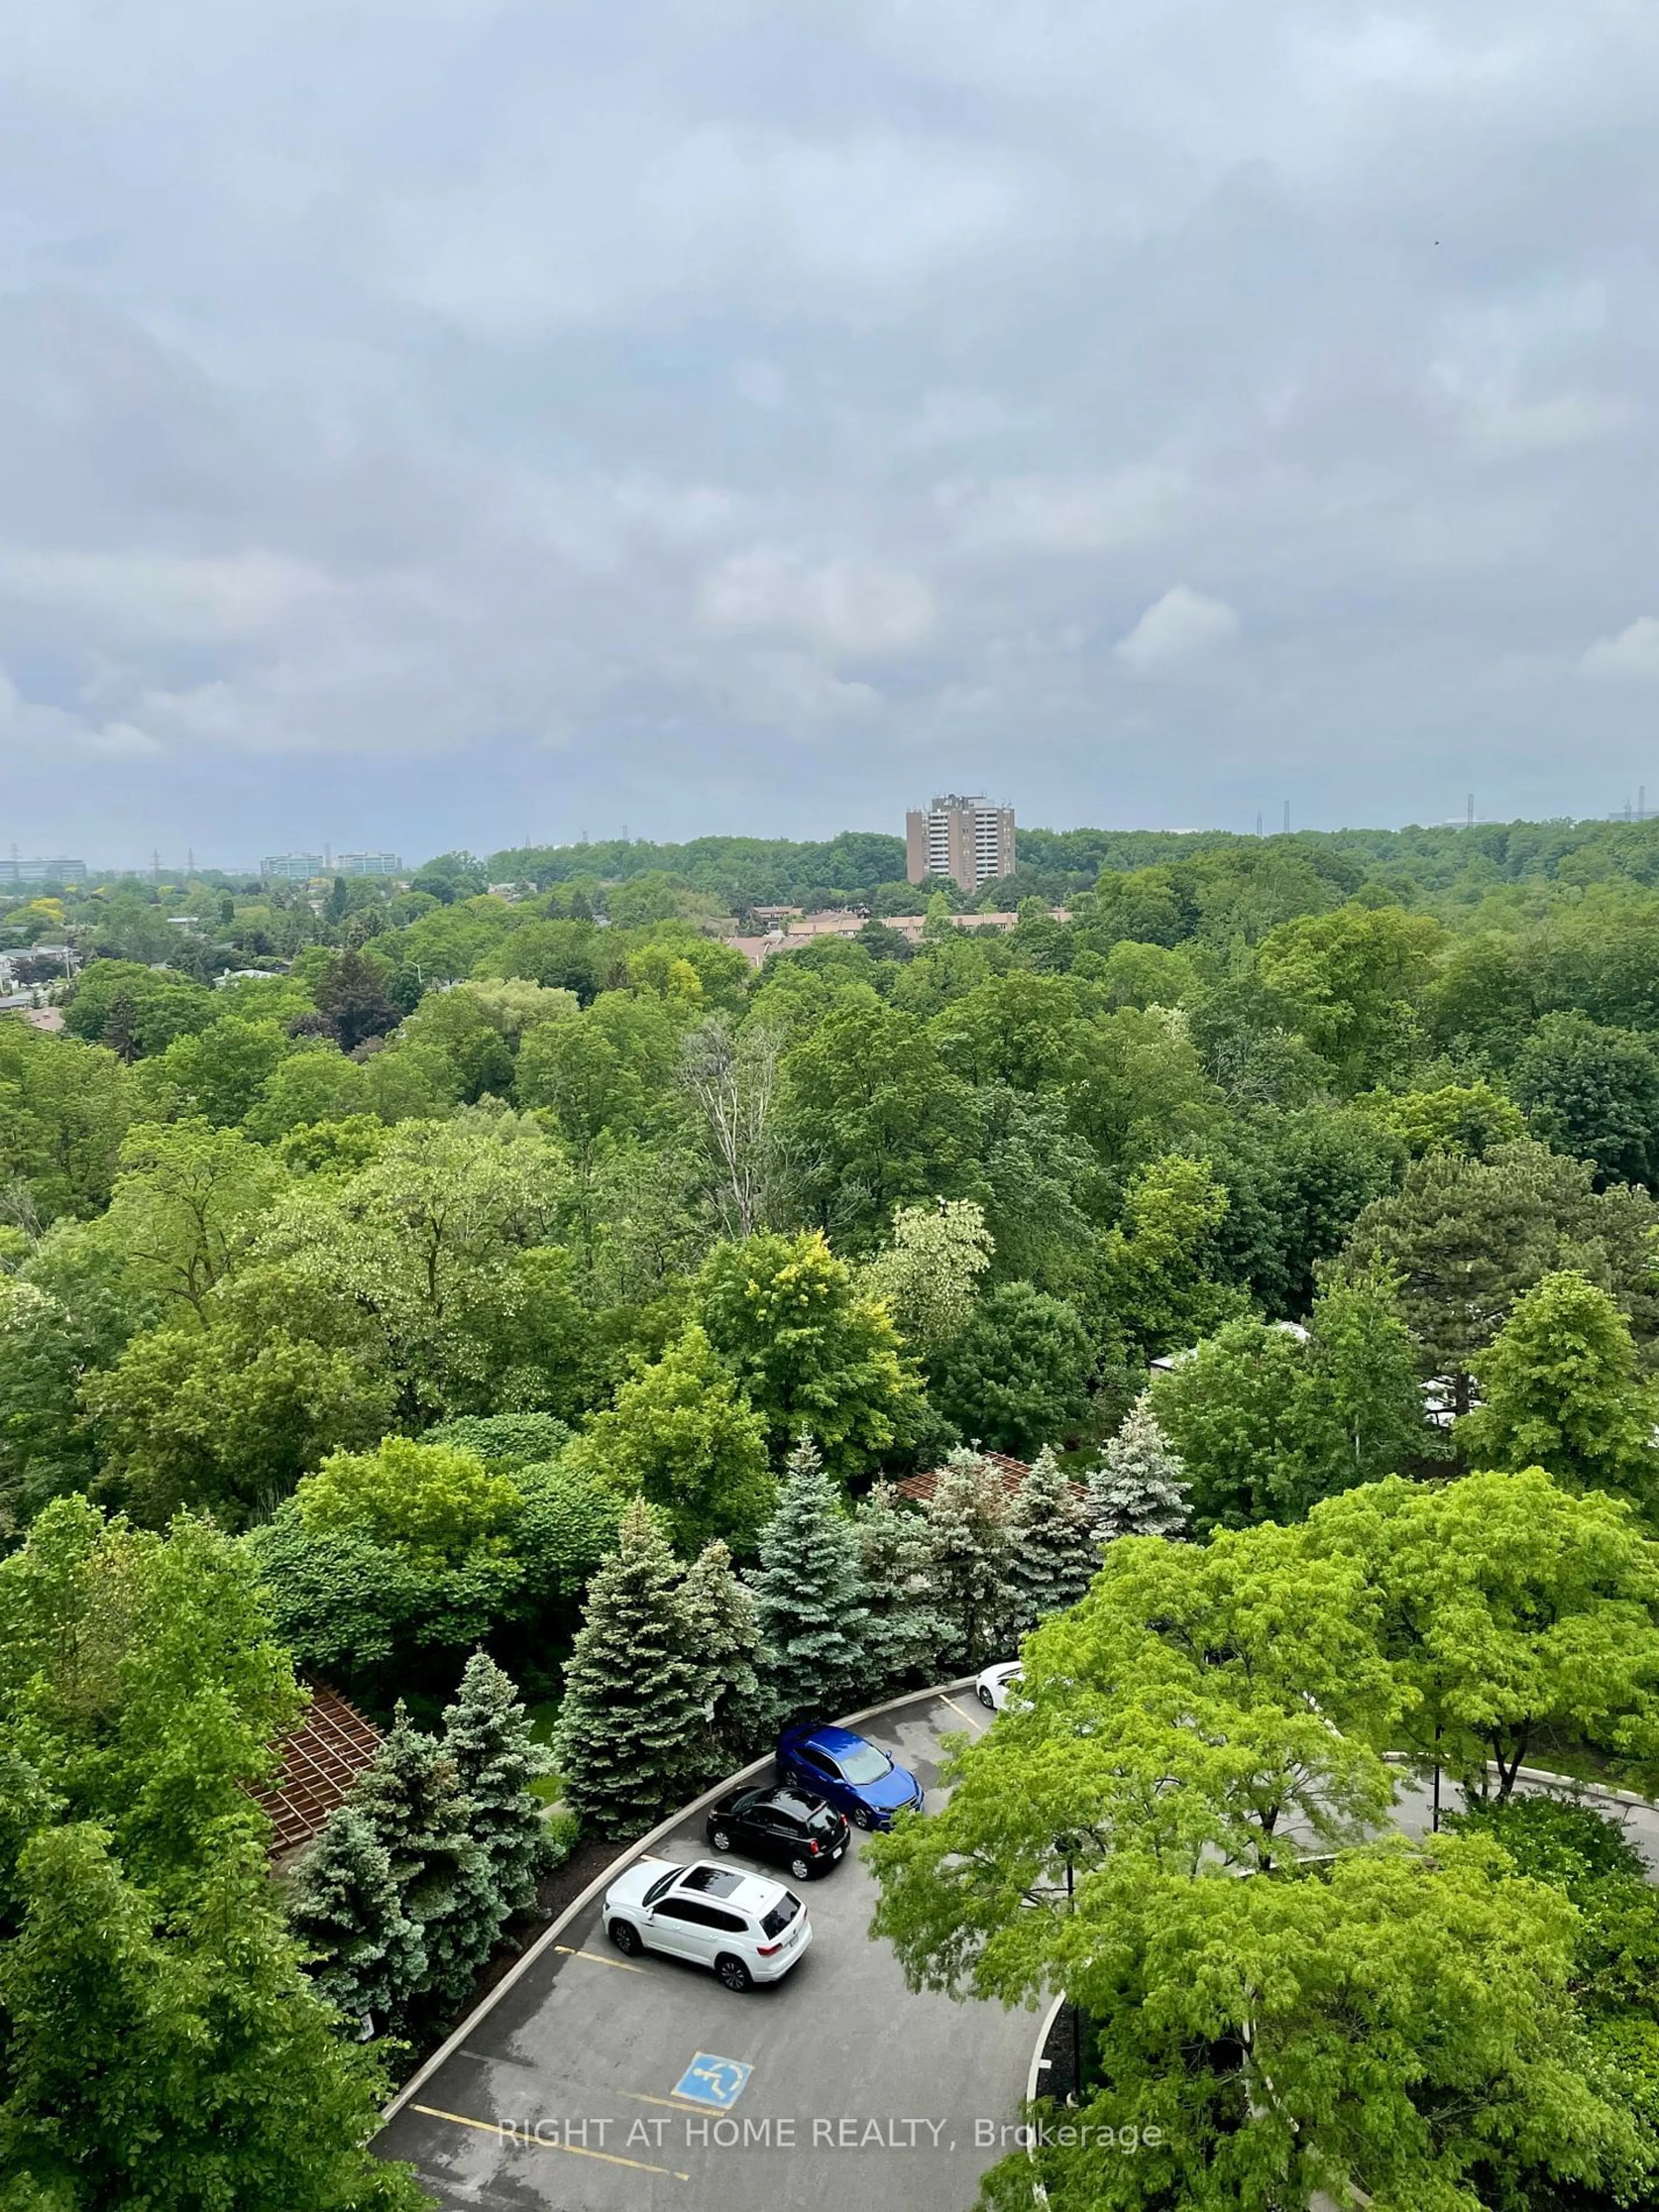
pixel 306 867
pixel 836 923
pixel 56 871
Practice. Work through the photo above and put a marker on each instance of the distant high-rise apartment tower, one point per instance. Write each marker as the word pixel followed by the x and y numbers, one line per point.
pixel 967 839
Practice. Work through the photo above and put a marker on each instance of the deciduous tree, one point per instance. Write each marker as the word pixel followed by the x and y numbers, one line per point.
pixel 890 1124
pixel 928 1276
pixel 683 1436
pixel 160 2034
pixel 1016 1377
pixel 1560 1389
pixel 1463 1237
pixel 809 1351
pixel 1505 1607
pixel 1593 1092
pixel 1157 1289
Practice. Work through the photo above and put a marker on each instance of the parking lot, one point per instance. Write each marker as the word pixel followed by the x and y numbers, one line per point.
pixel 596 2082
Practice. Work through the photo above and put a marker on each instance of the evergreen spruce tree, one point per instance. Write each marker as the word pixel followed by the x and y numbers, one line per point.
pixel 1139 1488
pixel 487 1735
pixel 412 1800
pixel 905 1632
pixel 725 1636
pixel 633 1726
pixel 1051 1554
pixel 968 1555
pixel 346 1908
pixel 807 1593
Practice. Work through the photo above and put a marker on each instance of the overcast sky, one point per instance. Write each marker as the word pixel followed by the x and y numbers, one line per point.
pixel 427 423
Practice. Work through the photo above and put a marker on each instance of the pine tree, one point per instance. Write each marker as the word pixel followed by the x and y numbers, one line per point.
pixel 412 1800
pixel 633 1725
pixel 725 1633
pixel 1051 1554
pixel 905 1632
pixel 488 1737
pixel 807 1594
pixel 968 1555
pixel 346 1908
pixel 1139 1488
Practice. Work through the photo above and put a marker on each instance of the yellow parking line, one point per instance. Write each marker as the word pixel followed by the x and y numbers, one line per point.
pixel 532 2140
pixel 976 1725
pixel 674 2103
pixel 598 1959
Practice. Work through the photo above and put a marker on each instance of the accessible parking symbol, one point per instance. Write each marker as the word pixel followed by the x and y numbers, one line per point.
pixel 716 2081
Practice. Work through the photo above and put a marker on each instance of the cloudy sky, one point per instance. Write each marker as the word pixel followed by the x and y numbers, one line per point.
pixel 427 423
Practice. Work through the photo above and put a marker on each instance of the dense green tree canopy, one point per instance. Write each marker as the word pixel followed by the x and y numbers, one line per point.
pixel 683 1436
pixel 160 2034
pixel 1174 1824
pixel 475 1224
pixel 810 1350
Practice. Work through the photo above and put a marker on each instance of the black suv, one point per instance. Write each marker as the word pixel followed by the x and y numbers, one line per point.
pixel 800 1831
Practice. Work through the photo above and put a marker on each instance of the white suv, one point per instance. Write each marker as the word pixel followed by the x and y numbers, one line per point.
pixel 997 1684
pixel 747 1929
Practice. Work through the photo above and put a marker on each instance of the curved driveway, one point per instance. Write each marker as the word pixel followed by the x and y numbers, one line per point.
pixel 568 2091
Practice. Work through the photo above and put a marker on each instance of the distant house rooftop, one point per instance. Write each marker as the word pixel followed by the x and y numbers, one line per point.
pixel 920 1488
pixel 1170 1360
pixel 320 1761
pixel 789 935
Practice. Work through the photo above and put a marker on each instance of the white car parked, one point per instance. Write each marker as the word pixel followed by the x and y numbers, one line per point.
pixel 748 1929
pixel 994 1684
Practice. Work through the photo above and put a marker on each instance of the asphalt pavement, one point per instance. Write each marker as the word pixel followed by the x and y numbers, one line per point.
pixel 599 2084
pixel 1414 1811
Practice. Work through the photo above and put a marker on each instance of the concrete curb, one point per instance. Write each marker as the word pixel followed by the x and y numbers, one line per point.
pixel 1043 2033
pixel 1542 1775
pixel 602 1881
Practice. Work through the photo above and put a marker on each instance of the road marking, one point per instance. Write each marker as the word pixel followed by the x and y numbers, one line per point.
pixel 674 2103
pixel 531 2141
pixel 711 2081
pixel 978 1726
pixel 598 1959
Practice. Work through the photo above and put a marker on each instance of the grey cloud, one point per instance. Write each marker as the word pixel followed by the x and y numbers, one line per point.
pixel 1633 652
pixel 735 416
pixel 1183 627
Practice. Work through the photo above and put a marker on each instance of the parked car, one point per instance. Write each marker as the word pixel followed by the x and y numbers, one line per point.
pixel 856 1775
pixel 747 1929
pixel 994 1684
pixel 800 1831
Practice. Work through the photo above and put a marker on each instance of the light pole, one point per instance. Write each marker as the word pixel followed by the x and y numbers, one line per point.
pixel 1077 2022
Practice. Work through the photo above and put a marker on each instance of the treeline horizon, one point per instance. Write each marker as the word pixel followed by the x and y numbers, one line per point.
pixel 746 871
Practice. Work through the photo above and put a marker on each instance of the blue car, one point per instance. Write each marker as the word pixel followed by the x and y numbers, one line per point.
pixel 848 1770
